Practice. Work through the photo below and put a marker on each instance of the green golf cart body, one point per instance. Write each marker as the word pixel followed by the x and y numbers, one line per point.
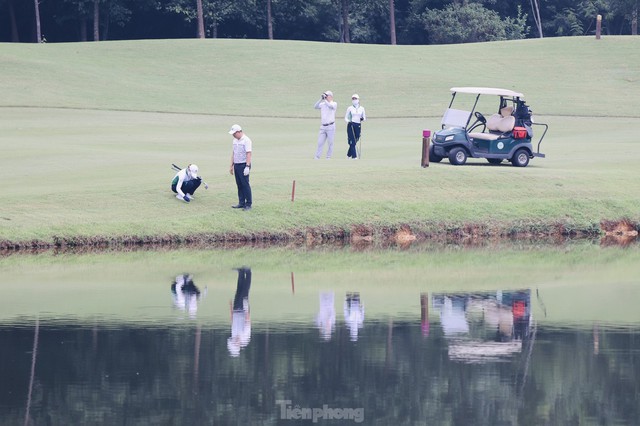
pixel 506 135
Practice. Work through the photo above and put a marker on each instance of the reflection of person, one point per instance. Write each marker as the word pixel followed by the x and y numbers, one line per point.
pixel 354 117
pixel 353 314
pixel 185 183
pixel 500 318
pixel 453 316
pixel 326 319
pixel 185 294
pixel 327 108
pixel 241 166
pixel 240 316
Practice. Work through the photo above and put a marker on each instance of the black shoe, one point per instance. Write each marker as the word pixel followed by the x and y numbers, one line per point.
pixel 246 208
pixel 238 206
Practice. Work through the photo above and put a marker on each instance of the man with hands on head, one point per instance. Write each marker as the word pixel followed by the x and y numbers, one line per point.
pixel 241 166
pixel 327 108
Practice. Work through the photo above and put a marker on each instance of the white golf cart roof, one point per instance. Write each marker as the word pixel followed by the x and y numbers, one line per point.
pixel 487 91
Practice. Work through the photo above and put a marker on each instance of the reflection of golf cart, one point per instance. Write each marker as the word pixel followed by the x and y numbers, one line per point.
pixel 505 135
pixel 486 326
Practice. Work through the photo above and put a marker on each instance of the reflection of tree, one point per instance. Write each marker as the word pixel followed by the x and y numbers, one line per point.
pixel 141 373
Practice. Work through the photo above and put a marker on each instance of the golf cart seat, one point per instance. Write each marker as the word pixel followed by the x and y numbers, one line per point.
pixel 498 125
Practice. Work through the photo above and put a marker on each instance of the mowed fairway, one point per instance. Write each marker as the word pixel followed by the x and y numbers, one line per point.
pixel 89 131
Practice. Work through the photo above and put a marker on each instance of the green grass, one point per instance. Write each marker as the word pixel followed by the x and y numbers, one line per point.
pixel 89 131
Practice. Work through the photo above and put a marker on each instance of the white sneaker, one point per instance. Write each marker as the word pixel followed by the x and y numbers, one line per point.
pixel 191 197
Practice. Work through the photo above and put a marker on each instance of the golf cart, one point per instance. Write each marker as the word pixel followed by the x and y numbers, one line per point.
pixel 505 135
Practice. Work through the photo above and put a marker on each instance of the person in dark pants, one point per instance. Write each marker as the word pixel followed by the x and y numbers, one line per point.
pixel 241 166
pixel 185 183
pixel 354 117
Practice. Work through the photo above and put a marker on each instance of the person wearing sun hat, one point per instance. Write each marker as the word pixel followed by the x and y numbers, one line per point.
pixel 185 183
pixel 327 108
pixel 354 117
pixel 241 166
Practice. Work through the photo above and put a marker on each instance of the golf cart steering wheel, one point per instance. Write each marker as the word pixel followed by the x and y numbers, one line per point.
pixel 480 121
pixel 480 117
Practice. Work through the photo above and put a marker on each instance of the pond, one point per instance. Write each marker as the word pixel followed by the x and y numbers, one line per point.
pixel 448 335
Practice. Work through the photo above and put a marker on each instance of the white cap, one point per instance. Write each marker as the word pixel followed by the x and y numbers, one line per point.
pixel 235 128
pixel 328 93
pixel 355 95
pixel 193 170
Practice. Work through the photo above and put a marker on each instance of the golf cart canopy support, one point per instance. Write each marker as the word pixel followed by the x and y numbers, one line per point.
pixel 488 91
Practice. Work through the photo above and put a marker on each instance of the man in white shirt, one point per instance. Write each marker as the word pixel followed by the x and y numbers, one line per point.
pixel 354 117
pixel 241 166
pixel 327 108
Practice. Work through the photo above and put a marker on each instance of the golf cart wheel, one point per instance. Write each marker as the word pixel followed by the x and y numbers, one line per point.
pixel 458 156
pixel 494 160
pixel 521 158
pixel 433 157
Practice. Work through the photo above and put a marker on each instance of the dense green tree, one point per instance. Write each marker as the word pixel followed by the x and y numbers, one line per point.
pixel 624 12
pixel 575 18
pixel 319 20
pixel 373 21
pixel 214 12
pixel 472 22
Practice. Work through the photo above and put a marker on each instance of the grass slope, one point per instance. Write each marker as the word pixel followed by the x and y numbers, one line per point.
pixel 89 132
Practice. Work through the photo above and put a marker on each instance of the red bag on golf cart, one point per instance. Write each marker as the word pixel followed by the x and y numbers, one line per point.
pixel 519 132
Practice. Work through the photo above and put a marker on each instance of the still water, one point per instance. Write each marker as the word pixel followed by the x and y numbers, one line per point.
pixel 436 336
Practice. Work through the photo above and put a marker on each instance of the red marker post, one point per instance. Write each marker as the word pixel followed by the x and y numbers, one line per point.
pixel 426 140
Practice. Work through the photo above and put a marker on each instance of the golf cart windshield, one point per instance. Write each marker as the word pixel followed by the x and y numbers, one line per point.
pixel 455 118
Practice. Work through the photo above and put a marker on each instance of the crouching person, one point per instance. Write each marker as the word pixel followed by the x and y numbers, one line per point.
pixel 185 183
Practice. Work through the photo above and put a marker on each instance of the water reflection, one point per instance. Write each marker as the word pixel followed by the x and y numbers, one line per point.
pixel 424 314
pixel 353 314
pixel 326 318
pixel 485 326
pixel 120 355
pixel 185 294
pixel 240 315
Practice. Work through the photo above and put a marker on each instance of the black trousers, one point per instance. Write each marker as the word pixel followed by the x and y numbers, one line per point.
pixel 353 136
pixel 242 289
pixel 242 181
pixel 188 187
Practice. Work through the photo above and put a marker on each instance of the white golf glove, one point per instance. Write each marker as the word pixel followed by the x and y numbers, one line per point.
pixel 247 169
pixel 184 198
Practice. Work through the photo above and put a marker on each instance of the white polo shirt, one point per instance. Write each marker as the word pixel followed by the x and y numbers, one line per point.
pixel 327 111
pixel 240 148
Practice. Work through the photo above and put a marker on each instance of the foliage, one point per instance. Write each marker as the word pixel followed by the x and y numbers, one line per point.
pixel 470 23
pixel 320 20
pixel 305 20
pixel 576 19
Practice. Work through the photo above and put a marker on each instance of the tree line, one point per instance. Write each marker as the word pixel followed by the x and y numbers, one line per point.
pixel 347 21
